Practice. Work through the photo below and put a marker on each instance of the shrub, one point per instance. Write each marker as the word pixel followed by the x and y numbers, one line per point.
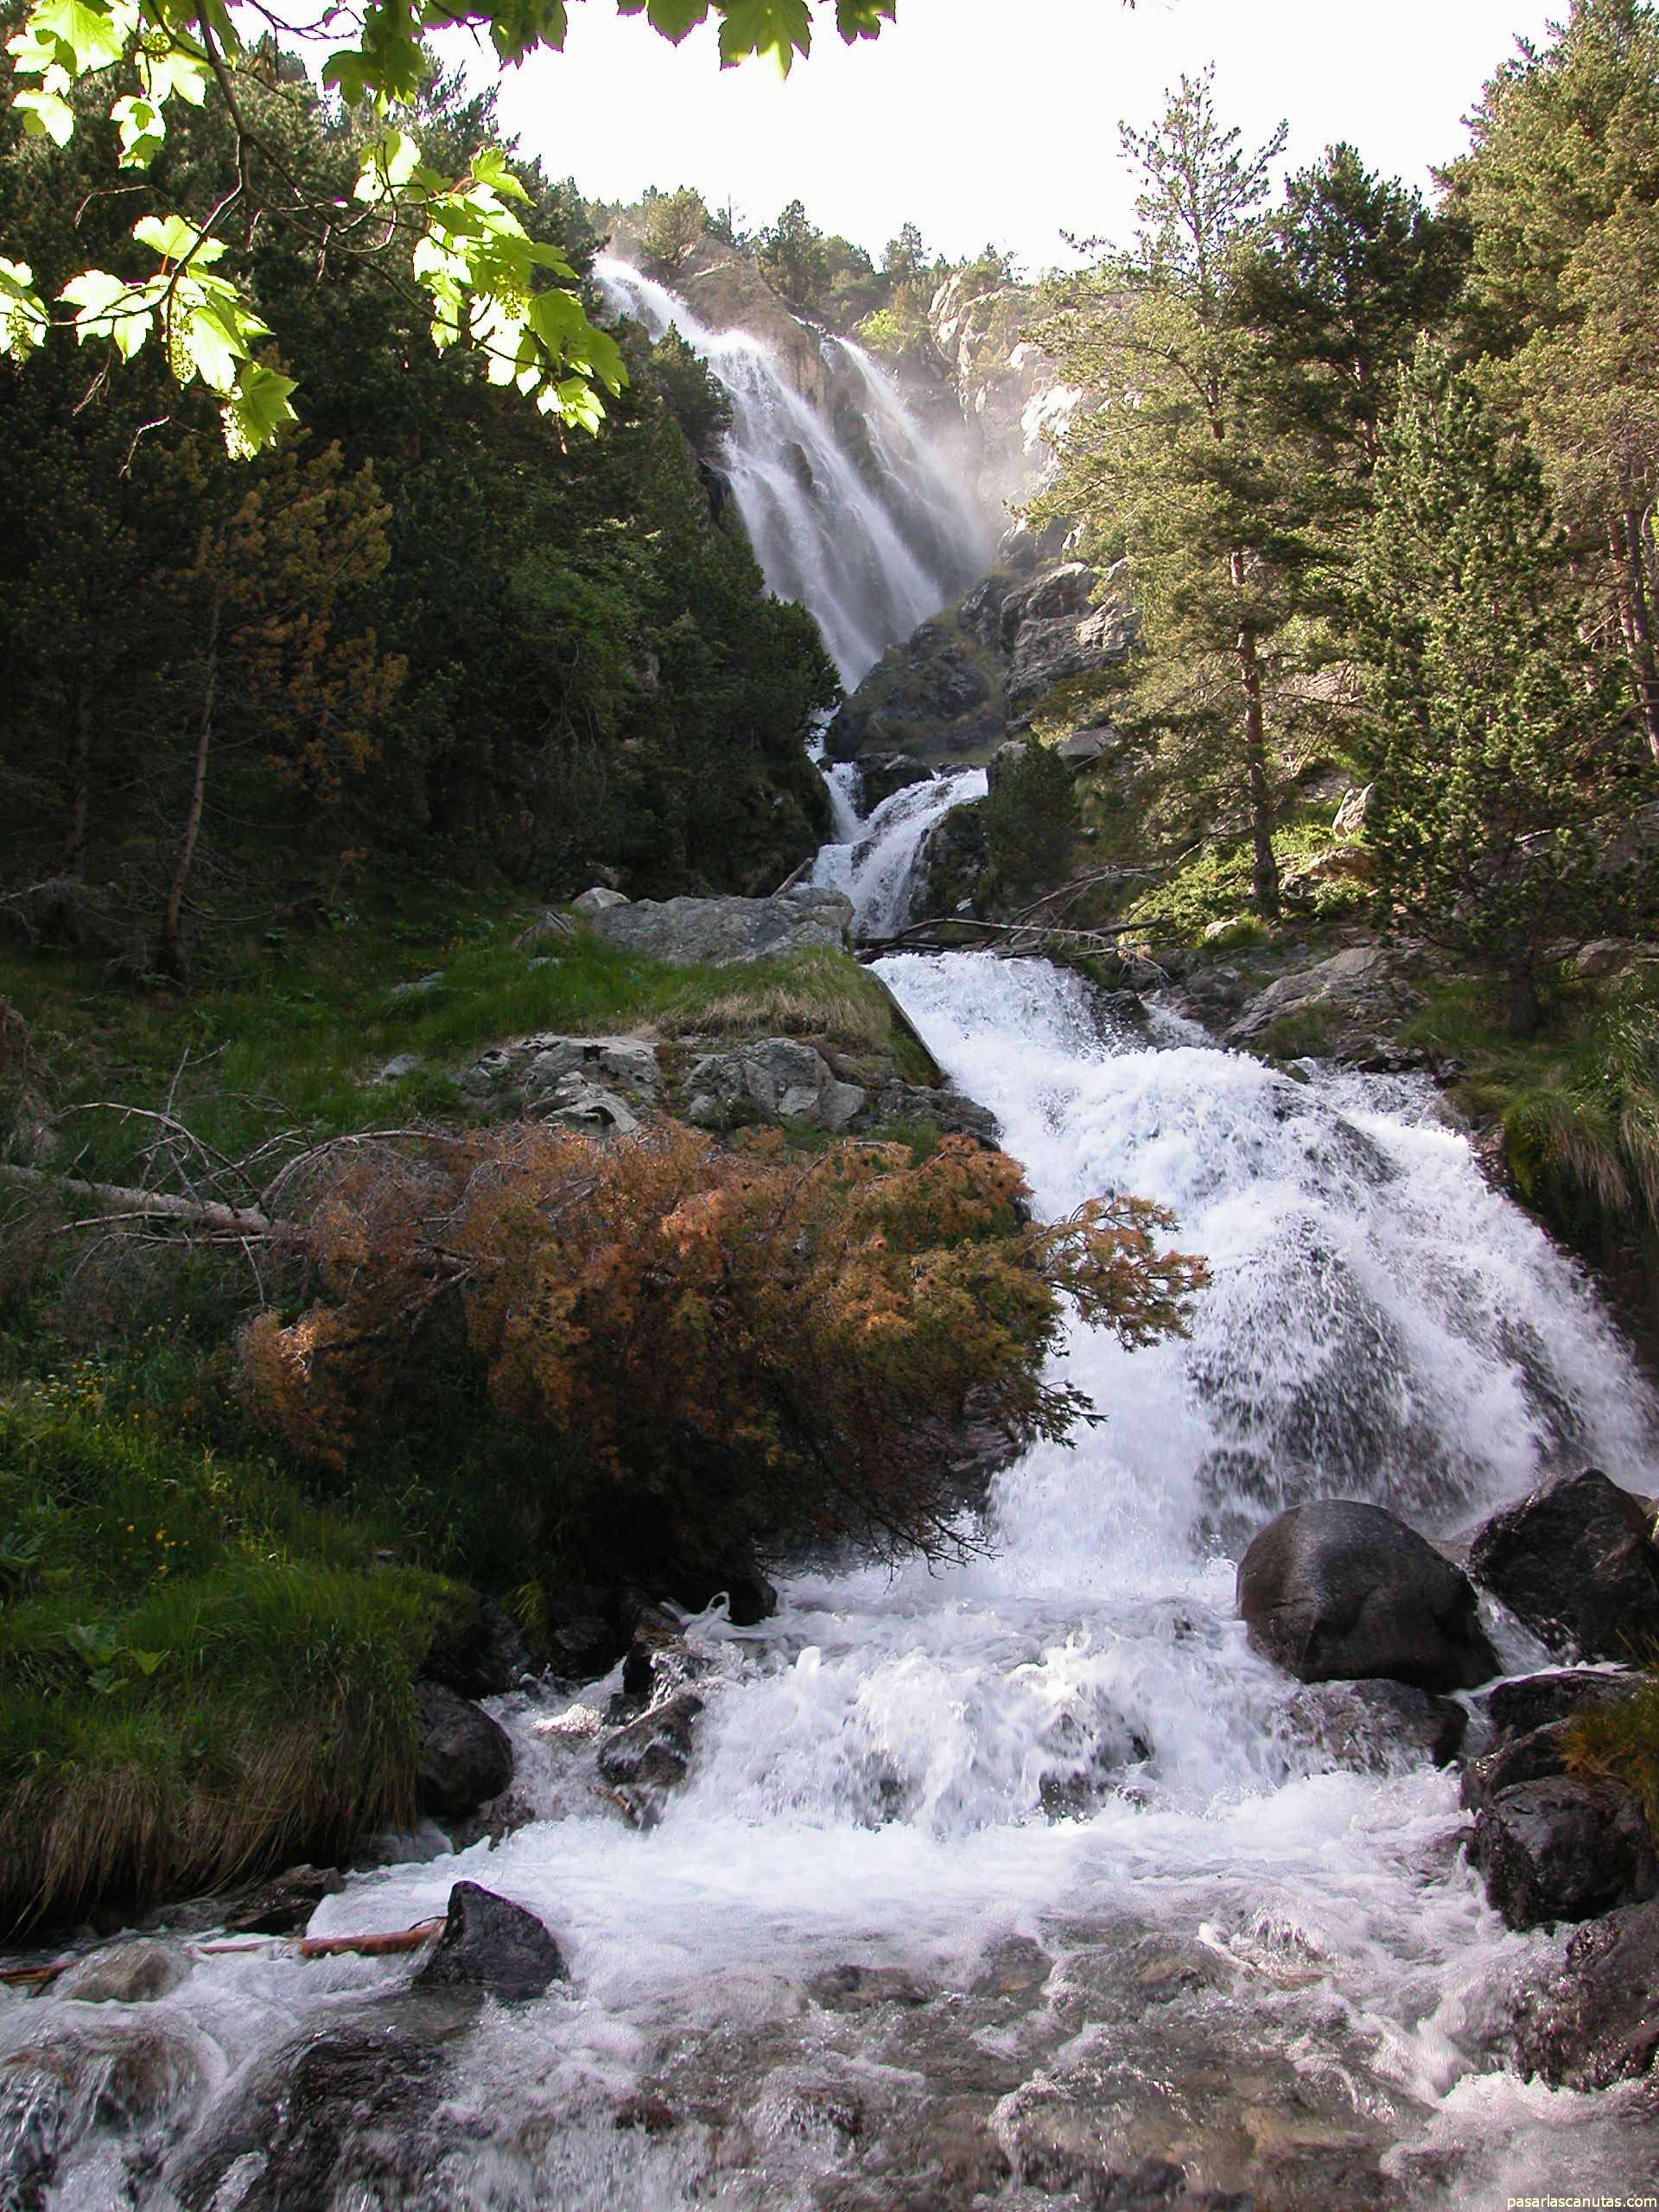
pixel 740 1345
pixel 1031 820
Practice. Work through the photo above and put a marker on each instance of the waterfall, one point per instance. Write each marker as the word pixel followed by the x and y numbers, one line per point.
pixel 871 551
pixel 1029 1859
pixel 875 862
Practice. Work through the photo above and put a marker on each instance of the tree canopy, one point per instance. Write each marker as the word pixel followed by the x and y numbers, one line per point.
pixel 128 65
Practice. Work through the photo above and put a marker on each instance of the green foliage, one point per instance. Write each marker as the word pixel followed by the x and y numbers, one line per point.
pixel 489 282
pixel 1031 820
pixel 794 258
pixel 672 224
pixel 201 1675
pixel 695 398
pixel 1492 751
pixel 1180 468
pixel 1621 1739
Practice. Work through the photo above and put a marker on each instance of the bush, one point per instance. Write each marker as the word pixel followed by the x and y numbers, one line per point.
pixel 738 1347
pixel 1031 820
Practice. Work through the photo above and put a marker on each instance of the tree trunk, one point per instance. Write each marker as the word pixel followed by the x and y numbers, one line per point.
pixel 175 960
pixel 80 777
pixel 1264 874
pixel 1638 624
pixel 1525 1012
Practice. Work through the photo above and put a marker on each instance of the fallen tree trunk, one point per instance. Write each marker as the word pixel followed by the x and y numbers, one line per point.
pixel 214 1218
pixel 303 1947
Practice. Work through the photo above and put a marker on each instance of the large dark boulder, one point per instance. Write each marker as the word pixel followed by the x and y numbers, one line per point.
pixel 1560 1693
pixel 476 1651
pixel 1339 1591
pixel 654 1752
pixel 488 1943
pixel 1565 1848
pixel 1576 1562
pixel 1597 2020
pixel 465 1759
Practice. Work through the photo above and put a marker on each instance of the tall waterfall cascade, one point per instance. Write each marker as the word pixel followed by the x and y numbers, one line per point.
pixel 872 533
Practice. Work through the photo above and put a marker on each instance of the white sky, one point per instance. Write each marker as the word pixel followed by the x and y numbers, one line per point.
pixel 997 119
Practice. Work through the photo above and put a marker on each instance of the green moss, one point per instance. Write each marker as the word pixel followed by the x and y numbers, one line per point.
pixel 1622 1740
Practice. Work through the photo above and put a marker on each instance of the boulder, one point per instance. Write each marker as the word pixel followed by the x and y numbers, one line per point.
pixel 284 1905
pixel 897 773
pixel 1531 1702
pixel 687 931
pixel 600 899
pixel 1352 814
pixel 126 1974
pixel 1340 1591
pixel 399 1065
pixel 1596 2020
pixel 1576 1563
pixel 490 1943
pixel 343 2115
pixel 534 1068
pixel 1613 956
pixel 1379 1727
pixel 778 1078
pixel 477 1651
pixel 1540 1755
pixel 1564 1847
pixel 653 1752
pixel 105 2077
pixel 465 1757
pixel 547 926
pixel 1362 993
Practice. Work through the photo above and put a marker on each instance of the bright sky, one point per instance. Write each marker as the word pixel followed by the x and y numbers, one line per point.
pixel 997 119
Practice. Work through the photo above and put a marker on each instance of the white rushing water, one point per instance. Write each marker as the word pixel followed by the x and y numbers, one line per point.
pixel 874 861
pixel 873 543
pixel 1048 1792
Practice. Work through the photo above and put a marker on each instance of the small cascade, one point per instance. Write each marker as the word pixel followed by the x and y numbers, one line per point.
pixel 872 550
pixel 875 862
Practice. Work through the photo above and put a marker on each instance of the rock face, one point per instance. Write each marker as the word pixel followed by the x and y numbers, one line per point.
pixel 956 686
pixel 1379 1727
pixel 1339 1591
pixel 490 1943
pixel 1576 1562
pixel 1356 998
pixel 1563 1848
pixel 778 1078
pixel 465 1759
pixel 1597 2021
pixel 685 932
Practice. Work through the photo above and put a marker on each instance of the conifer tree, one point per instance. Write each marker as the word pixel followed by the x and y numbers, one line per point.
pixel 1492 744
pixel 1181 469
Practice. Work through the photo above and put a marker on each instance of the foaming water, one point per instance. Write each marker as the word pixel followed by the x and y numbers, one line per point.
pixel 875 861
pixel 1060 1749
pixel 873 542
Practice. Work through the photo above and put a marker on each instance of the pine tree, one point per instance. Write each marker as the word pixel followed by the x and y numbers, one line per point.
pixel 1181 469
pixel 1492 751
pixel 1561 190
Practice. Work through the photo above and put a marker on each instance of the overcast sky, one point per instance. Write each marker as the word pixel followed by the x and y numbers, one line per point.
pixel 997 119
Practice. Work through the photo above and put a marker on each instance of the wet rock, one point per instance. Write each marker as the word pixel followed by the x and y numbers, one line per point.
pixel 652 2115
pixel 488 1943
pixel 1595 2020
pixel 1563 1848
pixel 687 931
pixel 655 1752
pixel 126 1974
pixel 1378 1727
pixel 1533 1701
pixel 1342 1591
pixel 778 1078
pixel 477 1650
pixel 465 1757
pixel 145 2082
pixel 1537 1756
pixel 751 1599
pixel 331 2118
pixel 284 1905
pixel 897 773
pixel 1576 1563
pixel 582 1637
pixel 864 1989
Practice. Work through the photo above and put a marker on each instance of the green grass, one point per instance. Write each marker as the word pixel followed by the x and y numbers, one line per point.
pixel 1622 1740
pixel 295 1039
pixel 203 1673
pixel 1214 886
